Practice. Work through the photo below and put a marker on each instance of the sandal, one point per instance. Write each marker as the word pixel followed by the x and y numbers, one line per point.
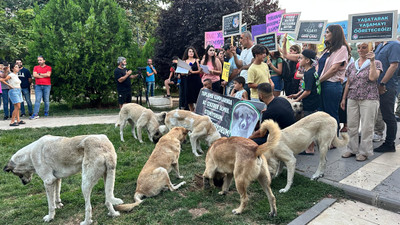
pixel 21 122
pixel 15 124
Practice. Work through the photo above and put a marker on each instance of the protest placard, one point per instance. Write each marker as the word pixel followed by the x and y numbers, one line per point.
pixel 230 116
pixel 273 20
pixel 311 31
pixel 257 30
pixel 231 24
pixel 205 68
pixel 343 24
pixel 214 38
pixel 225 71
pixel 268 40
pixel 289 22
pixel 370 27
pixel 244 28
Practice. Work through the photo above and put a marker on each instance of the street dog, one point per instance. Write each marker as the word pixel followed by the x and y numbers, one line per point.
pixel 243 159
pixel 244 118
pixel 54 158
pixel 319 127
pixel 154 176
pixel 199 126
pixel 140 117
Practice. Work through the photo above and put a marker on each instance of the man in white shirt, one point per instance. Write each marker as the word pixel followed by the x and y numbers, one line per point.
pixel 245 59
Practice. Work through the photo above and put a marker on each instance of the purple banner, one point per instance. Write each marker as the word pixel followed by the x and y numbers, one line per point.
pixel 273 20
pixel 214 38
pixel 257 30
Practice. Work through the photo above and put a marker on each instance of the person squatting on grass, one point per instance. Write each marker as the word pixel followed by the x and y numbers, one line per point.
pixel 14 93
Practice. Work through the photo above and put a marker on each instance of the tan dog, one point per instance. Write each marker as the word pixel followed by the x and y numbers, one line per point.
pixel 200 127
pixel 154 176
pixel 54 158
pixel 243 159
pixel 319 127
pixel 140 117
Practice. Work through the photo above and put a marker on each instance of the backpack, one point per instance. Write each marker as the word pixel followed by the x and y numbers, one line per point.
pixel 317 83
pixel 286 73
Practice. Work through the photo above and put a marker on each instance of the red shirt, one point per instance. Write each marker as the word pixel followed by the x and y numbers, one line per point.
pixel 42 70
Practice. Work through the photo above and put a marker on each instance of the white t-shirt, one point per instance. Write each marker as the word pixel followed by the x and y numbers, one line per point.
pixel 246 56
pixel 15 82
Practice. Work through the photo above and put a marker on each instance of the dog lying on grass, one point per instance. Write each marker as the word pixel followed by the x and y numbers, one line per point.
pixel 199 126
pixel 243 159
pixel 319 127
pixel 154 176
pixel 54 158
pixel 140 117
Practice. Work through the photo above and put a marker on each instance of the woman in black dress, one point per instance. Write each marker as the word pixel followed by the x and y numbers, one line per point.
pixel 193 80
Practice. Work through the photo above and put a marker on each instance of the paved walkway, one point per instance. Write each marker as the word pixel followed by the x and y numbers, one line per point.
pixel 375 181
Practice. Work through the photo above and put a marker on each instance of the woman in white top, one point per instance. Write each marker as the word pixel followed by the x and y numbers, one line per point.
pixel 14 93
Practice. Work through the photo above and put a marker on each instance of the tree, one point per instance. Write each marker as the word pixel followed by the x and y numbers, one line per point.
pixel 81 40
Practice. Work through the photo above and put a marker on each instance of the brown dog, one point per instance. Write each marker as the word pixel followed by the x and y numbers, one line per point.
pixel 154 176
pixel 243 159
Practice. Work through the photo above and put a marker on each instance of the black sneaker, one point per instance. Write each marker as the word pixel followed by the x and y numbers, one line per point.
pixel 6 118
pixel 22 115
pixel 386 148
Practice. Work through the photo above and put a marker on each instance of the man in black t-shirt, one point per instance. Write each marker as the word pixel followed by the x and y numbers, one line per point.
pixel 26 79
pixel 278 109
pixel 123 79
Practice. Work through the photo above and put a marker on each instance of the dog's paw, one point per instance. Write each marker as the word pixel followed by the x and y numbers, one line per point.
pixel 316 176
pixel 283 190
pixel 122 140
pixel 180 177
pixel 48 218
pixel 237 211
pixel 272 214
pixel 59 205
pixel 141 141
pixel 197 155
pixel 116 201
pixel 86 222
pixel 222 193
pixel 113 214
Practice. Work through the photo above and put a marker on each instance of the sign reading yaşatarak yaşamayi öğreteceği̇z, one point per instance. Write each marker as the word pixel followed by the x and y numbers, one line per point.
pixel 378 26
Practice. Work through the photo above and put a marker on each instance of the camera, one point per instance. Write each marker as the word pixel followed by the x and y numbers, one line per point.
pixel 140 71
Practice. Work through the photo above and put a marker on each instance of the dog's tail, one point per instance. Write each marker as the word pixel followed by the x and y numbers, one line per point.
pixel 273 137
pixel 119 119
pixel 129 207
pixel 341 142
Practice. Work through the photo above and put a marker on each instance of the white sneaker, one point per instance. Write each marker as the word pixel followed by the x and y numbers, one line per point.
pixel 377 138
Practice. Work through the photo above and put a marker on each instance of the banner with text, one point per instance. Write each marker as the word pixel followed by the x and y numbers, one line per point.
pixel 214 38
pixel 311 31
pixel 268 40
pixel 231 116
pixel 289 22
pixel 273 20
pixel 225 71
pixel 370 27
pixel 231 24
pixel 257 30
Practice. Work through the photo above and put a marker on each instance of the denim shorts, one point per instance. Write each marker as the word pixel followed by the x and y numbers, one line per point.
pixel 277 82
pixel 15 95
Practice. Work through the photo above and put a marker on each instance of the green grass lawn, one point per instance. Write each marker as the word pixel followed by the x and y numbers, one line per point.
pixel 189 205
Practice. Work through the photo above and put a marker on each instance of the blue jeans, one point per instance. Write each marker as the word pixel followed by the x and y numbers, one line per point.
pixel 6 102
pixel 26 93
pixel 42 91
pixel 386 105
pixel 331 93
pixel 150 88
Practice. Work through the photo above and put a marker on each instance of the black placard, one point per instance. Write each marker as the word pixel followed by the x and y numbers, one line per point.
pixel 311 31
pixel 231 24
pixel 373 26
pixel 231 116
pixel 268 40
pixel 289 22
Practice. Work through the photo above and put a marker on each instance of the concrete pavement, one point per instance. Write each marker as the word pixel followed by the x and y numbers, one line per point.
pixel 373 185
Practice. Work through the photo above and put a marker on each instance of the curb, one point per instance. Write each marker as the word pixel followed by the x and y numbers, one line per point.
pixel 312 213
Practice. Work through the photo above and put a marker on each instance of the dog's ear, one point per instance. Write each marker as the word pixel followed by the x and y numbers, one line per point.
pixel 9 167
pixel 185 131
pixel 161 117
pixel 236 114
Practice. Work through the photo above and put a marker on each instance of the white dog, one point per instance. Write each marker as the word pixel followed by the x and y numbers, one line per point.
pixel 54 158
pixel 318 127
pixel 140 117
pixel 200 127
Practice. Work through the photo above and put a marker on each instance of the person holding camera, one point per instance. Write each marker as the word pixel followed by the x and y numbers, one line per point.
pixel 150 78
pixel 123 79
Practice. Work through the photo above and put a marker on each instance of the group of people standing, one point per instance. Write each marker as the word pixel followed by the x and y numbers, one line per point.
pixel 16 83
pixel 329 81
